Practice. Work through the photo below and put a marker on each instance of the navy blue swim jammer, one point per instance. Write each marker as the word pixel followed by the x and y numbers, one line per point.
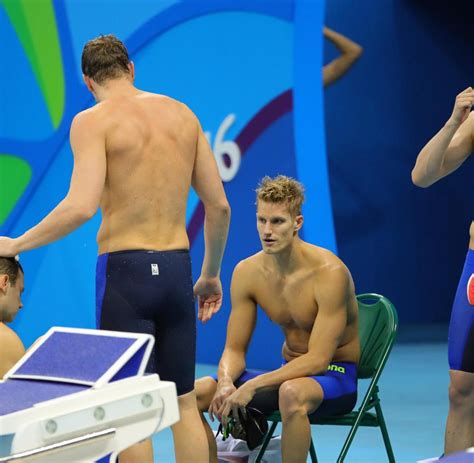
pixel 152 292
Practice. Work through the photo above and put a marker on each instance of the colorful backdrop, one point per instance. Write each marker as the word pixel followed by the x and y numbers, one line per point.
pixel 250 70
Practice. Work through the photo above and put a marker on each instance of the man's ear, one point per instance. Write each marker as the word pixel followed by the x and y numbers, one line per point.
pixel 87 81
pixel 4 280
pixel 298 222
pixel 131 68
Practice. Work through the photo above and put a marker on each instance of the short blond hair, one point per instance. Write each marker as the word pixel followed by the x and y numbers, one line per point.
pixel 282 190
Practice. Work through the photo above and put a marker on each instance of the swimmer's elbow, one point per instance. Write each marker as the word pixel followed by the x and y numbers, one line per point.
pixel 79 209
pixel 356 52
pixel 221 208
pixel 225 209
pixel 84 212
pixel 89 213
pixel 418 180
pixel 415 179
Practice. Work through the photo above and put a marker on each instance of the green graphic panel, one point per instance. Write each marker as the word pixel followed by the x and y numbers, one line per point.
pixel 35 24
pixel 15 174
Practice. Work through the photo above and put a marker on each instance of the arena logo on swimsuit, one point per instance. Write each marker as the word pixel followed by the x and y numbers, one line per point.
pixel 336 368
pixel 470 290
pixel 226 152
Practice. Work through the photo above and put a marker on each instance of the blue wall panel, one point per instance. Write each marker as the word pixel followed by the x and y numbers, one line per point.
pixel 402 241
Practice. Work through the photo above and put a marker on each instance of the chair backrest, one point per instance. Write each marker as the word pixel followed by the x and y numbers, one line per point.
pixel 378 322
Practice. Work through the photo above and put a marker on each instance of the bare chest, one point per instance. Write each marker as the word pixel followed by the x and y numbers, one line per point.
pixel 289 303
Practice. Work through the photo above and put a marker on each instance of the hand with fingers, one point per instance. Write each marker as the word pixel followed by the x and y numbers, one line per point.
pixel 462 106
pixel 238 400
pixel 208 291
pixel 225 388
pixel 8 247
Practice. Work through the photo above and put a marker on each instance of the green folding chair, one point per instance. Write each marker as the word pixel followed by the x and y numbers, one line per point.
pixel 378 322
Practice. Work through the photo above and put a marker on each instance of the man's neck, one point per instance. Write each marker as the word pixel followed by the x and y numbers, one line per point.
pixel 115 88
pixel 289 259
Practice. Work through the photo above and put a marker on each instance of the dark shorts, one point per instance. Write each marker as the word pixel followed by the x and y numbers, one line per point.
pixel 461 327
pixel 339 386
pixel 152 292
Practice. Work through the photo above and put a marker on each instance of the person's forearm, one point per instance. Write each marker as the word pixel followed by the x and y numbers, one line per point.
pixel 430 160
pixel 231 366
pixel 216 228
pixel 342 43
pixel 305 365
pixel 63 219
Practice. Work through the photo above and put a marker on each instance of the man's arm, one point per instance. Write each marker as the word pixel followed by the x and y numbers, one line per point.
pixel 350 53
pixel 83 197
pixel 11 351
pixel 207 183
pixel 333 291
pixel 450 147
pixel 240 327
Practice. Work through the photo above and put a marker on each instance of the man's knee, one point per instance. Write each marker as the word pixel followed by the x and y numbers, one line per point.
pixel 205 389
pixel 461 390
pixel 293 400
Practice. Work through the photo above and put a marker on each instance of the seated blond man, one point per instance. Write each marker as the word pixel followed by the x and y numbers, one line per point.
pixel 11 288
pixel 309 293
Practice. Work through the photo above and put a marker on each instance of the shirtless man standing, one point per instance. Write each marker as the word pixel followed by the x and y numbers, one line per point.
pixel 309 293
pixel 136 154
pixel 11 288
pixel 443 154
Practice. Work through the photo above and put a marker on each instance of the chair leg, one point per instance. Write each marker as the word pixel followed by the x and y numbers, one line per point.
pixel 349 438
pixel 386 438
pixel 268 436
pixel 312 452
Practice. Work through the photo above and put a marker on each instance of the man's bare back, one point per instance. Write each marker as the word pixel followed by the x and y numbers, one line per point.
pixel 151 143
pixel 292 301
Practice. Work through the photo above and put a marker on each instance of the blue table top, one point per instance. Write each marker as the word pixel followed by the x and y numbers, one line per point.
pixel 20 394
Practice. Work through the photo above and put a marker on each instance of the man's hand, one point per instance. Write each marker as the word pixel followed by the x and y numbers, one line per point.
pixel 8 247
pixel 208 291
pixel 238 400
pixel 224 389
pixel 462 107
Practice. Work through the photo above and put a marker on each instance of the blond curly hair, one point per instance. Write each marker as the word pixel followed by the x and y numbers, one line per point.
pixel 282 190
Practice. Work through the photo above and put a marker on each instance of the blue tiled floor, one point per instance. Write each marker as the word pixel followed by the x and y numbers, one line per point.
pixel 414 400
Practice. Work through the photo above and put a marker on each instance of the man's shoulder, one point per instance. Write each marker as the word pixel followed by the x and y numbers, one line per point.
pixel 322 255
pixel 90 117
pixel 11 342
pixel 8 335
pixel 12 349
pixel 325 263
pixel 247 271
pixel 250 264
